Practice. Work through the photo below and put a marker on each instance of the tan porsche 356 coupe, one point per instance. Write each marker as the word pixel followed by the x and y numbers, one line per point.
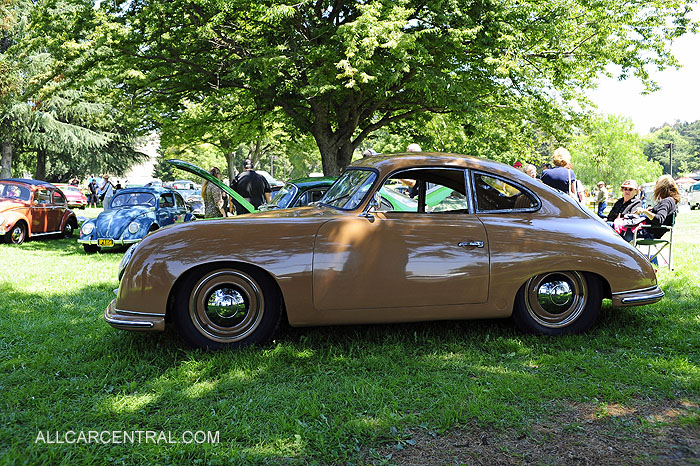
pixel 498 244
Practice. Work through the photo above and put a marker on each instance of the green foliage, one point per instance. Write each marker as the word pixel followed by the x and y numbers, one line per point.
pixel 342 70
pixel 609 150
pixel 57 126
pixel 685 138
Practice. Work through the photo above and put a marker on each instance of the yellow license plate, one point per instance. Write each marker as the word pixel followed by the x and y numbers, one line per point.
pixel 105 242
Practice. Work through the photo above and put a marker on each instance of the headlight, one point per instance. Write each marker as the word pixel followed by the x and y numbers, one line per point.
pixel 134 227
pixel 87 229
pixel 125 260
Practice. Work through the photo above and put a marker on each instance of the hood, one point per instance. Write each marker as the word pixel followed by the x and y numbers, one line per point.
pixel 8 204
pixel 194 169
pixel 111 223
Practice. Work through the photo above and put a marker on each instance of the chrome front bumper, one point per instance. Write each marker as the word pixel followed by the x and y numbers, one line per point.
pixel 129 320
pixel 637 297
pixel 117 242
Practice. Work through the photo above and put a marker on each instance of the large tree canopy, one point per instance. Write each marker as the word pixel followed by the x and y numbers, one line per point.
pixel 342 69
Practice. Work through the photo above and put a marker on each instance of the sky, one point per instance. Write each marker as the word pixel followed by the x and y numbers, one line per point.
pixel 678 98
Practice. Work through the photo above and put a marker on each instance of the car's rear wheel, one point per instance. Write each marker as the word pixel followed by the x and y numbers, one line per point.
pixel 68 229
pixel 17 234
pixel 226 308
pixel 556 303
pixel 91 248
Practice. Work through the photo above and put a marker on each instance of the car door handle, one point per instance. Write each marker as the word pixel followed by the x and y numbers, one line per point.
pixel 471 244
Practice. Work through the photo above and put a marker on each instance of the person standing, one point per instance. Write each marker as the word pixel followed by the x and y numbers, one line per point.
pixel 92 196
pixel 561 177
pixel 107 192
pixel 213 197
pixel 252 186
pixel 602 199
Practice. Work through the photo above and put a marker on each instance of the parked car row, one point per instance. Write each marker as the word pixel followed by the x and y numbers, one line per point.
pixel 471 238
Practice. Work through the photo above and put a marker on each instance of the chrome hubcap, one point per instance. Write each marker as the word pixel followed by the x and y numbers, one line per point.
pixel 17 234
pixel 226 306
pixel 556 299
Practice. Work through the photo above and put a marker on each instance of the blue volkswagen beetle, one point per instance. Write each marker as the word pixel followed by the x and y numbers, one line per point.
pixel 131 215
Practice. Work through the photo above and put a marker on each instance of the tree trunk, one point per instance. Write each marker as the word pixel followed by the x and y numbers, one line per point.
pixel 40 173
pixel 6 160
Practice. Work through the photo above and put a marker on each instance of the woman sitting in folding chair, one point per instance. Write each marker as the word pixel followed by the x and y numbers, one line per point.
pixel 667 199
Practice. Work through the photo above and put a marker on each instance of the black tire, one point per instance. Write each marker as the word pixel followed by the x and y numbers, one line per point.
pixel 69 229
pixel 558 303
pixel 249 308
pixel 17 234
pixel 91 248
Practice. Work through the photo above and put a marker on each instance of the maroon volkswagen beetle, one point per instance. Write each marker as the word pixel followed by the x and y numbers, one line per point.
pixel 31 208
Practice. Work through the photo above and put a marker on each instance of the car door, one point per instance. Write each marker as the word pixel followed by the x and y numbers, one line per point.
pixel 404 258
pixel 57 210
pixel 42 209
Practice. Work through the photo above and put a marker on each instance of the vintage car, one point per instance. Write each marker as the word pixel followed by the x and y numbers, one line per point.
pixel 500 244
pixel 74 196
pixel 191 192
pixel 30 208
pixel 299 192
pixel 131 215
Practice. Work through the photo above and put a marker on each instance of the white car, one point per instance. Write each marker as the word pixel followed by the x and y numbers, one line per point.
pixel 694 196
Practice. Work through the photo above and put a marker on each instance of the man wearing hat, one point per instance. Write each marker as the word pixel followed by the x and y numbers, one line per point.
pixel 602 199
pixel 628 203
pixel 106 192
pixel 252 186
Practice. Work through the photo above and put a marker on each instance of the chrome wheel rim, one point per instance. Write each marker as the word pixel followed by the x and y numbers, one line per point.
pixel 68 230
pixel 226 306
pixel 557 299
pixel 17 234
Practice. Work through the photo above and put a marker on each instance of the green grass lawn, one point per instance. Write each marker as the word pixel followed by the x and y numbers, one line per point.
pixel 334 395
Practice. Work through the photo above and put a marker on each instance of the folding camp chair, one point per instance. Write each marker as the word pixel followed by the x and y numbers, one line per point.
pixel 655 247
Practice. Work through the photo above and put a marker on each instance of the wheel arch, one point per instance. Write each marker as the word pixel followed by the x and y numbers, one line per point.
pixel 203 268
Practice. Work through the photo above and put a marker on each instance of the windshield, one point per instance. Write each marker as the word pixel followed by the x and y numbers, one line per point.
pixel 349 190
pixel 131 199
pixel 13 191
pixel 284 197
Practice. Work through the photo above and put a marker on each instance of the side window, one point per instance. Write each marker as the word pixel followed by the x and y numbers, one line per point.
pixel 303 200
pixel 42 197
pixel 58 198
pixel 495 194
pixel 179 203
pixel 166 200
pixel 429 190
pixel 316 195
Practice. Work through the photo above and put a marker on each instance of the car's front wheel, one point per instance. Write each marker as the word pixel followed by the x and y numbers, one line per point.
pixel 557 303
pixel 226 308
pixel 17 234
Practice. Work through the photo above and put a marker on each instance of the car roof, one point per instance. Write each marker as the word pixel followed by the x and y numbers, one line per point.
pixel 28 181
pixel 387 163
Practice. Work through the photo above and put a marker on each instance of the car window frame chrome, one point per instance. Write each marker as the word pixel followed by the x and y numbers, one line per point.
pixel 521 187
